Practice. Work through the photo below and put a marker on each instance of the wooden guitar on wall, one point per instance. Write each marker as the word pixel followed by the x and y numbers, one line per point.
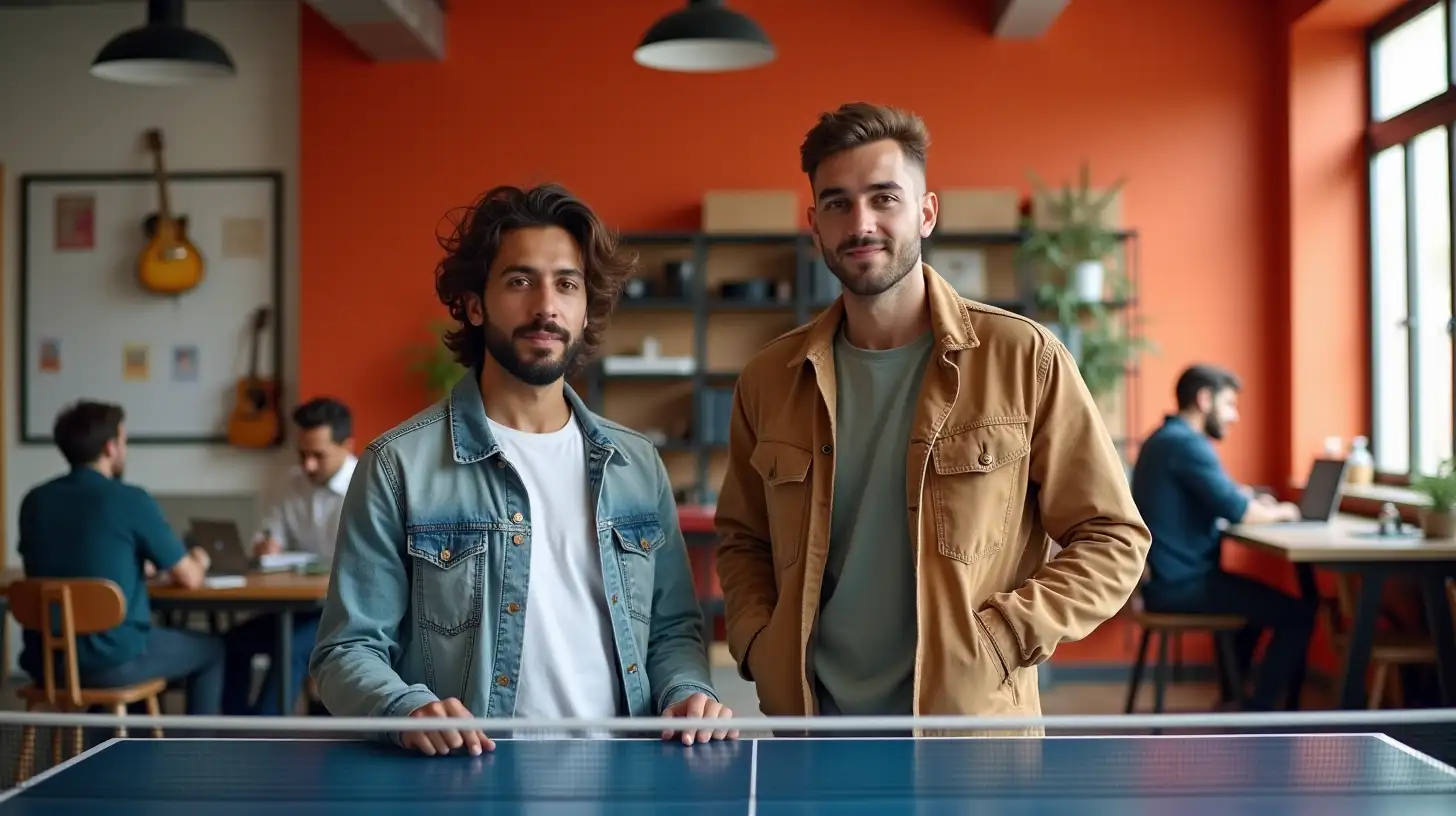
pixel 170 264
pixel 253 422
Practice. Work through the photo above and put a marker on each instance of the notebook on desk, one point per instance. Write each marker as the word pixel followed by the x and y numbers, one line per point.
pixel 1321 497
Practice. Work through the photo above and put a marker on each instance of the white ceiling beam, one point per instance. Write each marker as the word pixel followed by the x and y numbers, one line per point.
pixel 389 30
pixel 1025 19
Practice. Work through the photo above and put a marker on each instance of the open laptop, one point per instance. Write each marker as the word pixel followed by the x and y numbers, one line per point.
pixel 1321 497
pixel 224 543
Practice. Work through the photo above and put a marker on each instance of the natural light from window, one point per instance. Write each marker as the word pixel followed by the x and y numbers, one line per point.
pixel 1430 152
pixel 1411 64
pixel 1391 376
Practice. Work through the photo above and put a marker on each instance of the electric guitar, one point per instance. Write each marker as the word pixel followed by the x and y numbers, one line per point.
pixel 170 264
pixel 253 422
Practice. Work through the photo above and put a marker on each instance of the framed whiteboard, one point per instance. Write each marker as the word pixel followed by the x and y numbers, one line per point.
pixel 89 330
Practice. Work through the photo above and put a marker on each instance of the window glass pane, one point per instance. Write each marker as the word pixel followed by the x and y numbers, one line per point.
pixel 1391 355
pixel 1411 64
pixel 1431 153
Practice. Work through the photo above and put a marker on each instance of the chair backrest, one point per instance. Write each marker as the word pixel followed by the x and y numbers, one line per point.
pixel 60 609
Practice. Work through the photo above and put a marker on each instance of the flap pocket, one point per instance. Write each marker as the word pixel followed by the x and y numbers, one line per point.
pixel 984 447
pixel 780 463
pixel 445 548
pixel 641 536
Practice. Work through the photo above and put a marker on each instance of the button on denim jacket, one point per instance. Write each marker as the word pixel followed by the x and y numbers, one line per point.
pixel 427 598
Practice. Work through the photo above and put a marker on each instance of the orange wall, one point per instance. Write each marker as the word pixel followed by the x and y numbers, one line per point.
pixel 1181 103
pixel 1189 103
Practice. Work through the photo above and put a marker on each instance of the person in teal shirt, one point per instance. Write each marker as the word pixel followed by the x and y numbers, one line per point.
pixel 87 523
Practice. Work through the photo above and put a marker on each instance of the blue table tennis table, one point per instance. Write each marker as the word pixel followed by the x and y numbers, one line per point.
pixel 1327 775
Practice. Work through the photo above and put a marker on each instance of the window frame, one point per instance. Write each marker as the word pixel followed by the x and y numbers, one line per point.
pixel 1402 129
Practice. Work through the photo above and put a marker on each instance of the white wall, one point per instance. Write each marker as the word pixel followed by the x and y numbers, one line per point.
pixel 54 117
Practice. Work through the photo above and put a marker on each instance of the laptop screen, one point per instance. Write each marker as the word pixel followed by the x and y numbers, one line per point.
pixel 1322 493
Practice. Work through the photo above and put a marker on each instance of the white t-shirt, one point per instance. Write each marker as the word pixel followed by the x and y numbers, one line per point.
pixel 568 657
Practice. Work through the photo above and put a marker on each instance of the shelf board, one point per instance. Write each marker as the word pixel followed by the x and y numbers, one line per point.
pixel 655 303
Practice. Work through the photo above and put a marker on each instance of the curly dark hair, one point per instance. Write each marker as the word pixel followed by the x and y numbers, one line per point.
pixel 476 237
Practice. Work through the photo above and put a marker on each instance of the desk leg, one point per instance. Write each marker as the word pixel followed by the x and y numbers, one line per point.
pixel 1438 618
pixel 1309 592
pixel 283 661
pixel 1362 637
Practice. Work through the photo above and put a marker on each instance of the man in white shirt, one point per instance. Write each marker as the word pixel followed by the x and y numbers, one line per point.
pixel 304 517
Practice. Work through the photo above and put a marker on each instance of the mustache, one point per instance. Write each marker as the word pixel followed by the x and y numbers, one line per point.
pixel 862 242
pixel 544 327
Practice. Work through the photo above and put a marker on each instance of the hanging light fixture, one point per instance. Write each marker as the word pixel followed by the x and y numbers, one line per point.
pixel 704 37
pixel 162 52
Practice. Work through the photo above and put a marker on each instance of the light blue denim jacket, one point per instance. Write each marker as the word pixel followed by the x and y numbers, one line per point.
pixel 430 570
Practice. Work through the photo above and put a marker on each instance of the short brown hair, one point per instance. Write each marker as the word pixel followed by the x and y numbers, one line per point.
pixel 856 124
pixel 471 249
pixel 82 430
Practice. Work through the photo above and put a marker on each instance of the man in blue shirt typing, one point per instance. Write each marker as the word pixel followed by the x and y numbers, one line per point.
pixel 88 524
pixel 1183 493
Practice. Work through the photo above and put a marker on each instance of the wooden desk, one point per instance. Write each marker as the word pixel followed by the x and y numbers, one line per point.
pixel 1349 544
pixel 278 593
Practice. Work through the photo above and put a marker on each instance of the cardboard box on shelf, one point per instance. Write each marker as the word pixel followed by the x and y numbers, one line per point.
pixel 748 211
pixel 978 210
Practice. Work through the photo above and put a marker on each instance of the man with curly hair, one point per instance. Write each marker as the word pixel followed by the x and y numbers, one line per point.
pixel 506 552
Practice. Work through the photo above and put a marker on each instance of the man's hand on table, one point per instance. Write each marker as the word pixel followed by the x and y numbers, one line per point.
pixel 439 743
pixel 700 707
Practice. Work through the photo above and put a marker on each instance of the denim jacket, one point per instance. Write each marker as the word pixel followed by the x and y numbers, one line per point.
pixel 433 556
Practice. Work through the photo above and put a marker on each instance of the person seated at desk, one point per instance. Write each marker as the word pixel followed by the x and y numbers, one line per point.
pixel 1183 493
pixel 89 524
pixel 303 518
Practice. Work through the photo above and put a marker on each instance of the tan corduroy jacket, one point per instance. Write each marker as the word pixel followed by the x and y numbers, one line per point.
pixel 1007 453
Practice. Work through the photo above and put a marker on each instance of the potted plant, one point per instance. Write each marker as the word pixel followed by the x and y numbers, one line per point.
pixel 435 365
pixel 1438 517
pixel 1075 244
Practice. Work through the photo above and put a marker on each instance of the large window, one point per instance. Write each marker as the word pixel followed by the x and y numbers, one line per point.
pixel 1411 137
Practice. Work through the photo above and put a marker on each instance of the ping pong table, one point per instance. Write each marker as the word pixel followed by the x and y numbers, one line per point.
pixel 1328 775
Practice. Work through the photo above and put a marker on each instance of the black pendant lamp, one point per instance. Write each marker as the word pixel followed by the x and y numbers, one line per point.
pixel 162 52
pixel 702 38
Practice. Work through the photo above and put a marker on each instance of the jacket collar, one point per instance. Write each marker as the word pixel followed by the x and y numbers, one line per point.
pixel 950 322
pixel 470 436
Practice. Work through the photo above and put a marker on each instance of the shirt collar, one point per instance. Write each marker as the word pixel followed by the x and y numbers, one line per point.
pixel 339 482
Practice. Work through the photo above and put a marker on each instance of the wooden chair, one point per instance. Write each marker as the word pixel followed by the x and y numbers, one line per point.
pixel 81 606
pixel 1170 628
pixel 1389 651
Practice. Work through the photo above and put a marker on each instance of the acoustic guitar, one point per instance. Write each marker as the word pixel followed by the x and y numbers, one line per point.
pixel 170 264
pixel 253 422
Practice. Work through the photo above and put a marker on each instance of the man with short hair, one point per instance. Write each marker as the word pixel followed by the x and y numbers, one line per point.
pixel 508 553
pixel 303 517
pixel 897 466
pixel 1184 493
pixel 89 524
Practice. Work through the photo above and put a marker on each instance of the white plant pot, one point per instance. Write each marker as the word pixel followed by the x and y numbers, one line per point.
pixel 1088 281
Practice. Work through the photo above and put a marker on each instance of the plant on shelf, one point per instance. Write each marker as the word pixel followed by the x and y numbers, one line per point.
pixel 434 364
pixel 1438 519
pixel 1073 255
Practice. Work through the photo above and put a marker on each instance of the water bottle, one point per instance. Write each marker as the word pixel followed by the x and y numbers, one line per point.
pixel 1360 466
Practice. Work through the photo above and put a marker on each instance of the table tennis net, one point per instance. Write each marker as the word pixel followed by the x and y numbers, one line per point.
pixel 823 759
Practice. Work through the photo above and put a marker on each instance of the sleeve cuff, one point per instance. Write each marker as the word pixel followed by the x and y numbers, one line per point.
pixel 1001 639
pixel 406 703
pixel 677 693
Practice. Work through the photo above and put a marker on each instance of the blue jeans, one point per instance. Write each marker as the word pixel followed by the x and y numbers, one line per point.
pixel 260 636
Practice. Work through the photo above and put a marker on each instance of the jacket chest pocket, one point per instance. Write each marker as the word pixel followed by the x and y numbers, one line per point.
pixel 637 544
pixel 449 578
pixel 980 478
pixel 785 470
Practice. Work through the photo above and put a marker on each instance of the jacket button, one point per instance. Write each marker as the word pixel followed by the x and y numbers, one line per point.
pixel 632 669
pixel 517 517
pixel 518 539
pixel 513 607
pixel 503 681
pixel 987 459
pixel 444 555
pixel 614 598
pixel 500 463
pixel 646 545
pixel 827 449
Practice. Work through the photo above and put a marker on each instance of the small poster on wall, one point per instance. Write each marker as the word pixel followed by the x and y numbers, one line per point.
pixel 184 364
pixel 135 362
pixel 50 356
pixel 75 222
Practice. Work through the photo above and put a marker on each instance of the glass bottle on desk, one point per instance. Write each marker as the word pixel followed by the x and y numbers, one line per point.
pixel 1360 466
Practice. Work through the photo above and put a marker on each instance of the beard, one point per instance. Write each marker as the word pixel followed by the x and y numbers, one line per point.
pixel 1213 428
pixel 536 367
pixel 861 277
